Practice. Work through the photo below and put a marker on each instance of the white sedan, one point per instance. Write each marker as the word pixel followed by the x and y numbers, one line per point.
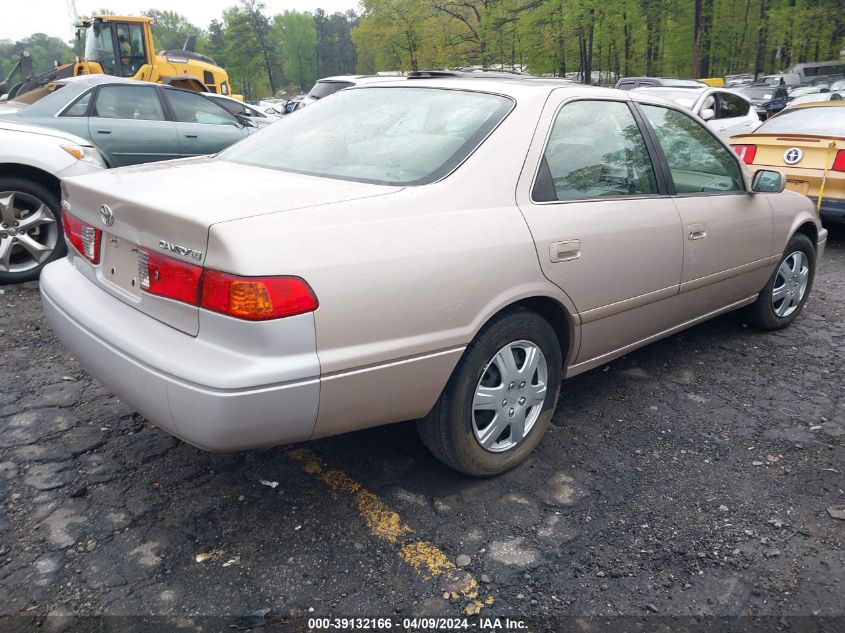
pixel 33 160
pixel 727 113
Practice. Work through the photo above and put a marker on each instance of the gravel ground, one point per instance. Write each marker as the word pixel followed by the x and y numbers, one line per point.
pixel 690 478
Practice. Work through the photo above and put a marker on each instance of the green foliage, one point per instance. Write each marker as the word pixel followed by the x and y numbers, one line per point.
pixel 598 39
pixel 45 50
pixel 171 29
pixel 297 36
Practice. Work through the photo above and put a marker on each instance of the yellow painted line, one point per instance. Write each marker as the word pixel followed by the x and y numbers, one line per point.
pixel 425 558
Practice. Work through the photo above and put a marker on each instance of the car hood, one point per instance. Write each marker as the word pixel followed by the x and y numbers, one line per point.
pixel 43 131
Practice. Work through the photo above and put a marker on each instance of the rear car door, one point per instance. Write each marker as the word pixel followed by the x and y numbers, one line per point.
pixel 203 126
pixel 604 230
pixel 128 123
pixel 727 231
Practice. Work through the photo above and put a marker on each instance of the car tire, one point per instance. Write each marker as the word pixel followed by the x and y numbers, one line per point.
pixel 21 199
pixel 466 411
pixel 786 292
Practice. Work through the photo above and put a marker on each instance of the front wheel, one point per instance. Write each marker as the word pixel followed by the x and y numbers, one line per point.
pixel 30 230
pixel 500 399
pixel 784 296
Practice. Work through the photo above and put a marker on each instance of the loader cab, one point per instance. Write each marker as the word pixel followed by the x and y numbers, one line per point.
pixel 119 47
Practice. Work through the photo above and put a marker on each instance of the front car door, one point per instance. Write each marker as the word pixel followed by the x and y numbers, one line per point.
pixel 128 123
pixel 204 127
pixel 605 232
pixel 728 232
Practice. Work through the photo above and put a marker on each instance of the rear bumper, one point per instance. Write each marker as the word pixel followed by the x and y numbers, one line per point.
pixel 832 210
pixel 230 395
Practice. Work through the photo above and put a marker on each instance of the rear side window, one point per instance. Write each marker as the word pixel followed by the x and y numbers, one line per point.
pixel 595 150
pixel 80 108
pixel 325 88
pixel 128 102
pixel 391 136
pixel 698 162
pixel 190 107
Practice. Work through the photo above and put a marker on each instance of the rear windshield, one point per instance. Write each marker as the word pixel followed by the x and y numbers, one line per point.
pixel 390 136
pixel 325 88
pixel 822 121
pixel 758 93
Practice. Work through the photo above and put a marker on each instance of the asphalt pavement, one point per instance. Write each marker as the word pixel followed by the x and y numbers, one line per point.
pixel 700 476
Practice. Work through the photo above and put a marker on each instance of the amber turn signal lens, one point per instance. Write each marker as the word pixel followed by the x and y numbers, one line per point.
pixel 256 298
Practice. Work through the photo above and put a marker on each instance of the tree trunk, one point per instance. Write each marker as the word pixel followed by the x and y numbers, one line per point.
pixel 696 40
pixel 762 38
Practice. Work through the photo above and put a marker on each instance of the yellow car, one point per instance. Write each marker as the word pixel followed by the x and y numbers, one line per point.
pixel 807 144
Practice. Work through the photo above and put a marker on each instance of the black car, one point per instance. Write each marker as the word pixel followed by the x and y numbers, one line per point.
pixel 767 100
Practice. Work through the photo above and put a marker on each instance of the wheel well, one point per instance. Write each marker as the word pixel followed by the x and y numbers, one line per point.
pixel 809 229
pixel 555 314
pixel 14 170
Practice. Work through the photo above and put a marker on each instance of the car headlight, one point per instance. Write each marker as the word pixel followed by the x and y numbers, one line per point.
pixel 86 154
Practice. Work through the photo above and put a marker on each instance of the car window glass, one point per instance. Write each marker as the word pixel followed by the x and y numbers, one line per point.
pixel 233 107
pixel 190 107
pixel 128 102
pixel 80 108
pixel 596 150
pixel 731 106
pixel 395 136
pixel 130 43
pixel 697 161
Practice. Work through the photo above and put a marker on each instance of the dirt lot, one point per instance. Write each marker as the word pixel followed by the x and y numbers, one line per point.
pixel 692 477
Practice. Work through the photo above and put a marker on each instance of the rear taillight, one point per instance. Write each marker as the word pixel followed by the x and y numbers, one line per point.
pixel 83 237
pixel 250 298
pixel 746 153
pixel 839 161
pixel 168 277
pixel 256 298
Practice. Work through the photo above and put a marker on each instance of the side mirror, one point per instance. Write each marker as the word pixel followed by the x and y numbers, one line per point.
pixel 708 114
pixel 768 181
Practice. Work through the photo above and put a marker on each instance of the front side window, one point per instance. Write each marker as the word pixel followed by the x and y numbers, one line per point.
pixel 732 106
pixel 140 103
pixel 595 150
pixel 390 136
pixel 698 162
pixel 190 107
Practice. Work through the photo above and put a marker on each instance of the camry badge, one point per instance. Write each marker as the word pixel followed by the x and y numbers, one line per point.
pixel 106 215
pixel 180 250
pixel 793 155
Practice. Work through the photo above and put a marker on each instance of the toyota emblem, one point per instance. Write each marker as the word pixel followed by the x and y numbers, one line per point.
pixel 106 215
pixel 793 155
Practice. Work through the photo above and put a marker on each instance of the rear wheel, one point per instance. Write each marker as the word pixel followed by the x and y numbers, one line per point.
pixel 30 231
pixel 500 399
pixel 784 296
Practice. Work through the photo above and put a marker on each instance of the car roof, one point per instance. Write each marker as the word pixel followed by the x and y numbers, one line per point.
pixel 94 80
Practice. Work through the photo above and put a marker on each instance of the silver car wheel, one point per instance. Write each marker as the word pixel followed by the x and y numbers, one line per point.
pixel 790 283
pixel 509 396
pixel 28 232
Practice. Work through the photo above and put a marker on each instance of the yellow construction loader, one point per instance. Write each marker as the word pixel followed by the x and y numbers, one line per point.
pixel 124 46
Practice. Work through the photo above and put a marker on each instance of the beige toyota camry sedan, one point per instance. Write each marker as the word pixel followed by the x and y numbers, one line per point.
pixel 447 250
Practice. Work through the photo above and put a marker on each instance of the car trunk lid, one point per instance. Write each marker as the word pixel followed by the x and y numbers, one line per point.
pixel 168 208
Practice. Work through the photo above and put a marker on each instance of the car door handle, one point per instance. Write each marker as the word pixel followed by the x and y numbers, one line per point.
pixel 102 130
pixel 565 251
pixel 190 135
pixel 696 231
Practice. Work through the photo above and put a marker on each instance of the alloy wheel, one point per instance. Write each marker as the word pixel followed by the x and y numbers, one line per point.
pixel 29 232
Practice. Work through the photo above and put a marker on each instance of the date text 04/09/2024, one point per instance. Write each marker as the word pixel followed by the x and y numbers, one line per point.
pixel 418 624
